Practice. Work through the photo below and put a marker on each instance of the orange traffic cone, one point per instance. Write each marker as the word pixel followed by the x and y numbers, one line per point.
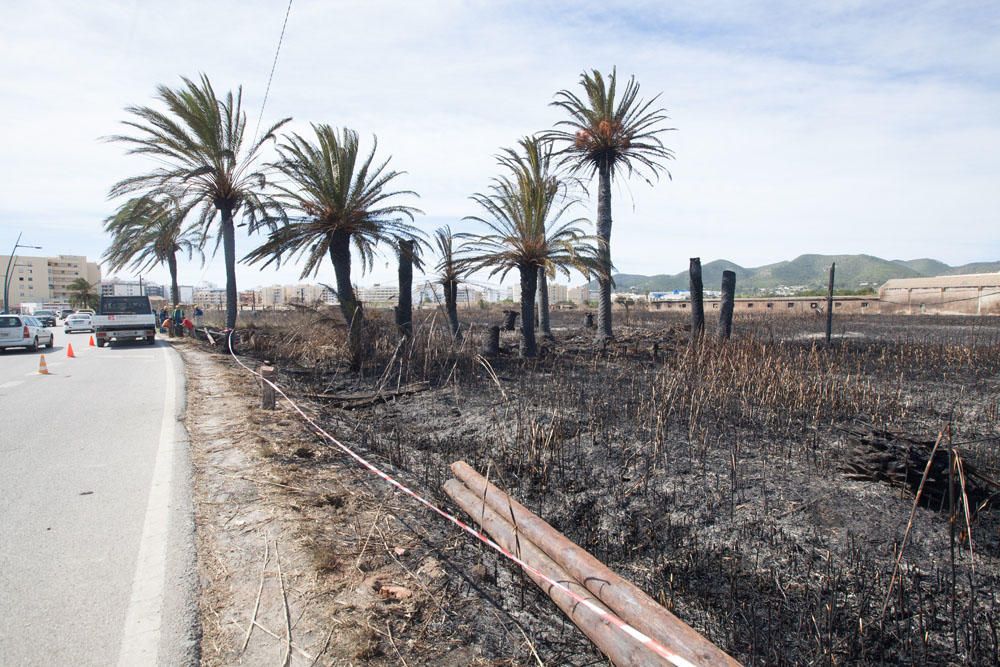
pixel 42 368
pixel 69 352
pixel 91 343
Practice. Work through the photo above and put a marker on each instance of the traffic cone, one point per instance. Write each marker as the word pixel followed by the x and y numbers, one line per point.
pixel 42 368
pixel 69 352
pixel 91 343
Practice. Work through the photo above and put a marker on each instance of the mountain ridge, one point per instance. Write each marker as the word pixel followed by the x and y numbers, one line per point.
pixel 808 272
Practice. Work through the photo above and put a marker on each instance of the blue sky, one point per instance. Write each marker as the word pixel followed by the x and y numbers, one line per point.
pixel 828 127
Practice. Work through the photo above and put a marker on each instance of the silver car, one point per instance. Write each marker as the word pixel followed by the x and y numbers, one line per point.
pixel 78 322
pixel 24 331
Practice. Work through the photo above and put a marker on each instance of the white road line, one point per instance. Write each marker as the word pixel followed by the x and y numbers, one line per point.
pixel 141 634
pixel 12 383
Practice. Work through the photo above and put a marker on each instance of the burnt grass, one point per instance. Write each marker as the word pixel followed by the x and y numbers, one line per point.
pixel 713 477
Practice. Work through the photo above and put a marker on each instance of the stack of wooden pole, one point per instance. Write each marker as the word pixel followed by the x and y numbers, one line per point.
pixel 548 551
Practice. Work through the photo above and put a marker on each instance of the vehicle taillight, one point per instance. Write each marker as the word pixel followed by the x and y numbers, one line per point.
pixel 27 334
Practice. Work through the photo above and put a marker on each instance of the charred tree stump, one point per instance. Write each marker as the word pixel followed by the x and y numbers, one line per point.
pixel 492 346
pixel 697 300
pixel 404 309
pixel 510 320
pixel 588 320
pixel 728 300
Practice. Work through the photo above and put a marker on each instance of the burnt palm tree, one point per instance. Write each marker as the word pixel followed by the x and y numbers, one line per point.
pixel 149 231
pixel 449 275
pixel 523 213
pixel 608 135
pixel 336 198
pixel 207 160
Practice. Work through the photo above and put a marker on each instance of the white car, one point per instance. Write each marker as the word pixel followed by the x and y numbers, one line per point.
pixel 78 322
pixel 24 331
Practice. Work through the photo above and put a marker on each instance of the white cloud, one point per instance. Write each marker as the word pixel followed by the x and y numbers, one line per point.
pixel 841 127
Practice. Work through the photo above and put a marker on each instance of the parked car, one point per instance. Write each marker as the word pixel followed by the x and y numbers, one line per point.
pixel 24 331
pixel 79 322
pixel 66 312
pixel 46 317
pixel 88 311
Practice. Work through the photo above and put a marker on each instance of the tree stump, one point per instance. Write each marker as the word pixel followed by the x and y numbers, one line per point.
pixel 728 300
pixel 492 346
pixel 588 320
pixel 510 320
pixel 697 300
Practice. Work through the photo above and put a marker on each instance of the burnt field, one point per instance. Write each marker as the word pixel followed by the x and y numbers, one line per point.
pixel 761 489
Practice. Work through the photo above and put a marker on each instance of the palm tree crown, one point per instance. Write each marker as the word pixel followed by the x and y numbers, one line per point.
pixel 208 161
pixel 147 231
pixel 611 132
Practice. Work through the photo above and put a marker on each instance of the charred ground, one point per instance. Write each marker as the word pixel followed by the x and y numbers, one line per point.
pixel 718 479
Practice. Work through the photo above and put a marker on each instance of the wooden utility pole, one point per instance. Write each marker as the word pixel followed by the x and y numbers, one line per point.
pixel 829 306
pixel 697 300
pixel 728 302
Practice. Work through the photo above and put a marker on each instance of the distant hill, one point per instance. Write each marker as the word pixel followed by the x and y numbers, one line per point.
pixel 807 271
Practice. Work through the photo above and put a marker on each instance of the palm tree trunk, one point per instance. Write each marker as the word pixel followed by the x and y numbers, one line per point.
pixel 229 253
pixel 543 304
pixel 604 252
pixel 175 291
pixel 529 284
pixel 404 304
pixel 451 305
pixel 340 255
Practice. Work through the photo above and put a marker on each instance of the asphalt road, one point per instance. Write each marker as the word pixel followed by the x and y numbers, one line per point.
pixel 96 531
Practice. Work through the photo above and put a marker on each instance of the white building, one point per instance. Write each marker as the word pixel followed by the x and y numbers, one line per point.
pixel 119 287
pixel 46 279
pixel 208 297
pixel 377 294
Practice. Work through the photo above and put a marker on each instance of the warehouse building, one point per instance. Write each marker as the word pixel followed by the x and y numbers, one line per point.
pixel 971 294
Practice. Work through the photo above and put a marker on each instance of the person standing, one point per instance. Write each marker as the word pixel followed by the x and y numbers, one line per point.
pixel 198 314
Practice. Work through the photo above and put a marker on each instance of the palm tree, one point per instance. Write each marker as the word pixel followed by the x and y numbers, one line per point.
pixel 82 294
pixel 208 161
pixel 523 211
pixel 449 276
pixel 606 135
pixel 149 231
pixel 335 200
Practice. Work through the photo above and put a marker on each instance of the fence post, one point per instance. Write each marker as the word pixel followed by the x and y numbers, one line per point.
pixel 829 306
pixel 726 307
pixel 697 300
pixel 267 396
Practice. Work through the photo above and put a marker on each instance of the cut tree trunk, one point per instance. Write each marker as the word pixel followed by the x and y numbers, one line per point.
pixel 451 306
pixel 340 256
pixel 404 304
pixel 543 304
pixel 728 301
pixel 529 283
pixel 697 300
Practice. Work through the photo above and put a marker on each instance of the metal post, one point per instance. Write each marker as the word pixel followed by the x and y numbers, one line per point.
pixel 829 305
pixel 6 273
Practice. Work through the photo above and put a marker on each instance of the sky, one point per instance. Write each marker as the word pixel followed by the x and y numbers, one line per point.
pixel 801 127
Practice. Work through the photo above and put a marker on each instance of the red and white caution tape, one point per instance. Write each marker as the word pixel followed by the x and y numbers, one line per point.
pixel 612 619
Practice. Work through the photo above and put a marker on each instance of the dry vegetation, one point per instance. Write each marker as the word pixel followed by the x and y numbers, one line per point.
pixel 719 480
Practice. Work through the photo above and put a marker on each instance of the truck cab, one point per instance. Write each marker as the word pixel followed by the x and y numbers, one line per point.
pixel 121 318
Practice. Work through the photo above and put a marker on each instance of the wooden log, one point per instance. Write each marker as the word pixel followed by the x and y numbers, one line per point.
pixel 267 394
pixel 697 300
pixel 620 647
pixel 621 596
pixel 728 301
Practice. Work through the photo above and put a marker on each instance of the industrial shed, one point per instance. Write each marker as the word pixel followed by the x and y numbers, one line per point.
pixel 971 294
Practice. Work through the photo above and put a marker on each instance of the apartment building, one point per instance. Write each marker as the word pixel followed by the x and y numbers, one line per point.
pixel 46 279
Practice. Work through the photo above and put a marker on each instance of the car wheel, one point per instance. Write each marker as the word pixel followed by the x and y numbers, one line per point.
pixel 34 345
pixel 100 342
pixel 52 341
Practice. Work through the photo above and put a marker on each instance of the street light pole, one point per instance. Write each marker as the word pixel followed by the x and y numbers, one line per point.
pixel 6 273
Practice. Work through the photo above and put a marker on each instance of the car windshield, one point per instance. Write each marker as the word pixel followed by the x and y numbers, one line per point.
pixel 43 313
pixel 126 305
pixel 7 322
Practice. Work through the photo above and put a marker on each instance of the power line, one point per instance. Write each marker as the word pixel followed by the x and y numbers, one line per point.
pixel 274 64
